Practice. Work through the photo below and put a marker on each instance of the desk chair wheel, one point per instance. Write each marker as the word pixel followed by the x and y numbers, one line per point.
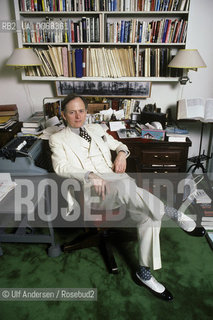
pixel 54 251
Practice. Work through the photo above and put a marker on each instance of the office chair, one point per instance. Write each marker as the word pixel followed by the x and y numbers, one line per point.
pixel 100 236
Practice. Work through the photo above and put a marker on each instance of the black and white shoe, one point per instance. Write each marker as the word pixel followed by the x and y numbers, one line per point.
pixel 189 226
pixel 155 287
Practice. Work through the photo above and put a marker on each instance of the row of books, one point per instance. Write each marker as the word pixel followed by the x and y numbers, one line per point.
pixel 89 62
pixel 85 30
pixel 103 5
pixel 154 63
pixel 161 31
pixel 52 109
pixel 8 116
pixel 89 30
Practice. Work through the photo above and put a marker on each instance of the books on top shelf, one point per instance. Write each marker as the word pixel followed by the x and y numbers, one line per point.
pixel 104 5
pixel 195 109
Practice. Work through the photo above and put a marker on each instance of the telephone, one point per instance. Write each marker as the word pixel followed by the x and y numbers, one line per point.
pixel 154 125
pixel 152 117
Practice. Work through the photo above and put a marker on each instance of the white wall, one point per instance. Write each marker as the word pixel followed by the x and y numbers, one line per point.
pixel 29 95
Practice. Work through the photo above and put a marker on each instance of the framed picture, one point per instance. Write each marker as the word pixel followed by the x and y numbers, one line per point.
pixel 129 89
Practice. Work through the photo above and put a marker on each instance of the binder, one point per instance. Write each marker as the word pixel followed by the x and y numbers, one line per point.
pixel 79 63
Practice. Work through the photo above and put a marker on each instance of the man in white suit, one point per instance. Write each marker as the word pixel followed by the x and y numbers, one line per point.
pixel 83 152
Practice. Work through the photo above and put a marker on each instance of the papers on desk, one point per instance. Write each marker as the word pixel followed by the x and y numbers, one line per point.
pixel 119 114
pixel 6 184
pixel 116 125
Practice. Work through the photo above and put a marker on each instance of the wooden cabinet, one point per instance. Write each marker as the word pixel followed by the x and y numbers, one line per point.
pixel 157 156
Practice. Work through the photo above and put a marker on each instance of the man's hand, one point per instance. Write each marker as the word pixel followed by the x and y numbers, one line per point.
pixel 99 184
pixel 119 165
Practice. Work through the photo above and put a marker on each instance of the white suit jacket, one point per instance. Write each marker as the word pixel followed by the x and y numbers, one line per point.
pixel 68 157
pixel 69 160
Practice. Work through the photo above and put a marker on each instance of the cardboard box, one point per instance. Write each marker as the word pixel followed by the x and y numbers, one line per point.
pixel 154 134
pixel 97 107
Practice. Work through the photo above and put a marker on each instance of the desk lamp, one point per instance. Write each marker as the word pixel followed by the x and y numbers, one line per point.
pixel 187 59
pixel 23 57
pixel 190 59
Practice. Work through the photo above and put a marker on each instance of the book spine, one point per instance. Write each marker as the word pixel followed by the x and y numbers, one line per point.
pixel 79 62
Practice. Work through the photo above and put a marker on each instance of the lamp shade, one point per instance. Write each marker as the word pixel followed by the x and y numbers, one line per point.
pixel 187 59
pixel 23 57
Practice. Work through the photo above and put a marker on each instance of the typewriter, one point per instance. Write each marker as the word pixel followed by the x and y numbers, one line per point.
pixel 23 156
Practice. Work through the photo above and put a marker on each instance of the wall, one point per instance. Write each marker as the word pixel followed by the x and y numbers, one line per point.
pixel 29 95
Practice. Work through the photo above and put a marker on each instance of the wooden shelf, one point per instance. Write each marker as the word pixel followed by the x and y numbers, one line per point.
pixel 104 18
pixel 124 79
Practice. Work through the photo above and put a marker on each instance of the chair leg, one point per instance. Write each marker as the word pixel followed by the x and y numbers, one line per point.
pixel 107 252
pixel 85 240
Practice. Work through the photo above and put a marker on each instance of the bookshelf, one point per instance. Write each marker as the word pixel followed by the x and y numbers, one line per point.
pixel 134 43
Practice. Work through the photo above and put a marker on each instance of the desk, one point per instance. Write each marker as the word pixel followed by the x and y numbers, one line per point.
pixel 156 156
pixel 9 205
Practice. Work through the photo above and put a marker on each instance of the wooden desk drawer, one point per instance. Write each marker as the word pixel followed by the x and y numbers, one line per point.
pixel 162 169
pixel 149 157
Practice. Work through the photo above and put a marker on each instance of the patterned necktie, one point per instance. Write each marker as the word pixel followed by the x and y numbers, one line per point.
pixel 85 135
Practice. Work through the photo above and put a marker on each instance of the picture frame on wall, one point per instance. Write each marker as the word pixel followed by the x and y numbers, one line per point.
pixel 121 89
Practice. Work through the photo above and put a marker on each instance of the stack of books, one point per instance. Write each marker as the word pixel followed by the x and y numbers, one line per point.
pixel 8 116
pixel 34 124
pixel 207 217
pixel 176 134
pixel 207 214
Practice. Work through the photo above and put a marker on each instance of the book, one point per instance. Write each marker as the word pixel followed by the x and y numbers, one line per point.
pixel 79 63
pixel 31 130
pixel 195 109
pixel 209 237
pixel 4 119
pixel 8 107
pixel 176 130
pixel 201 196
pixel 208 225
pixel 207 218
pixel 34 121
pixel 177 138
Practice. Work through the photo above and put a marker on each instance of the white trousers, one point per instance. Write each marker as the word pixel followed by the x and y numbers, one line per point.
pixel 145 209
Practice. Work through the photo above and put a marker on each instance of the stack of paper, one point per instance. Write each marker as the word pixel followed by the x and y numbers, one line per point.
pixel 6 184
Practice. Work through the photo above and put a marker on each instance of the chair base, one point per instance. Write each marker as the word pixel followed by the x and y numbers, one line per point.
pixel 97 238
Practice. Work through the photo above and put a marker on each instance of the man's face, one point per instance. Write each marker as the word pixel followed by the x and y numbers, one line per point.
pixel 75 113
